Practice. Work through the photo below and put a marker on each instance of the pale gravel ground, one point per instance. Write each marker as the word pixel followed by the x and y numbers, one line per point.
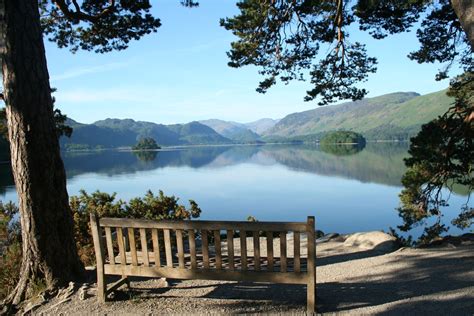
pixel 436 281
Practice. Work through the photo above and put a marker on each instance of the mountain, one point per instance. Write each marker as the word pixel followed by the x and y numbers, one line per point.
pixel 197 133
pixel 262 125
pixel 391 116
pixel 111 133
pixel 235 131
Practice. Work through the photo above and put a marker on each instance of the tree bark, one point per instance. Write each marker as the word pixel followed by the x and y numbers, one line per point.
pixel 49 251
pixel 464 10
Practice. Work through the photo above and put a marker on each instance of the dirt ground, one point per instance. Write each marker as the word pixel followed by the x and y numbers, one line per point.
pixel 434 281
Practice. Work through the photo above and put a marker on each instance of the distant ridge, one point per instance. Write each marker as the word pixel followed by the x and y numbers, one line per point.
pixel 394 116
pixel 111 133
pixel 235 131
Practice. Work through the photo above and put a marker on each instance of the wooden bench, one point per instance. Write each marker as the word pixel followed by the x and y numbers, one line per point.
pixel 205 250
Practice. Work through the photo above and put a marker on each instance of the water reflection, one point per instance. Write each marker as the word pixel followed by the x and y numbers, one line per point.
pixel 377 163
pixel 347 189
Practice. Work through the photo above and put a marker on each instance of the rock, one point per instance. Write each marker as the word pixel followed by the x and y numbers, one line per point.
pixel 375 240
pixel 319 233
pixel 83 292
pixel 161 282
pixel 327 237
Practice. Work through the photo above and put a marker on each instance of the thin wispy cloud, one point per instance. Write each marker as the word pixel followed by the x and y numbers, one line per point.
pixel 78 72
pixel 116 94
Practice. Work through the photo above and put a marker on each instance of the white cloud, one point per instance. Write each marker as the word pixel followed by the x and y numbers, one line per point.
pixel 77 72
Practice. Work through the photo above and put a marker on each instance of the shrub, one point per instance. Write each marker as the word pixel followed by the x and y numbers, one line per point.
pixel 343 137
pixel 10 248
pixel 149 207
pixel 146 143
pixel 153 207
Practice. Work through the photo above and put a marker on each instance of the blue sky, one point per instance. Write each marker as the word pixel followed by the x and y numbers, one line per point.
pixel 180 74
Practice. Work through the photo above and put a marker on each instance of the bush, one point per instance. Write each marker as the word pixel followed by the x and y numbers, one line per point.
pixel 10 248
pixel 158 207
pixel 146 143
pixel 105 205
pixel 343 137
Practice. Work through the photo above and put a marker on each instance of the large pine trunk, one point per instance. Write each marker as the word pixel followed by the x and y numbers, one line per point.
pixel 49 251
pixel 464 10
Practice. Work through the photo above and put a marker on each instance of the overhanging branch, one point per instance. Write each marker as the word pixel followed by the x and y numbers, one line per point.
pixel 80 15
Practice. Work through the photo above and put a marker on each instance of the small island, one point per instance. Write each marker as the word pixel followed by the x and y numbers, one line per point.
pixel 146 143
pixel 343 138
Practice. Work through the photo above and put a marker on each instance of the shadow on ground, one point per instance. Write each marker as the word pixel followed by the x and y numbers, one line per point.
pixel 436 282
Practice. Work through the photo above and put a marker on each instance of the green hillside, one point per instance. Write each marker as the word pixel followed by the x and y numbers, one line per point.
pixel 111 133
pixel 391 116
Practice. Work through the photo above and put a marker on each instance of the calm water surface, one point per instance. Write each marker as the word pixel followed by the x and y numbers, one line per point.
pixel 345 190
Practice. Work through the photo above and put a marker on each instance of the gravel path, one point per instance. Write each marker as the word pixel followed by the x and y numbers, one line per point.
pixel 435 281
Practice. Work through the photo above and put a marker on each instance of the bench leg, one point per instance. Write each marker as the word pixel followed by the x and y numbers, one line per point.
pixel 101 286
pixel 311 297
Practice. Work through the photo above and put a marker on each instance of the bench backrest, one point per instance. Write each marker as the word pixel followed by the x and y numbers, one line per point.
pixel 219 245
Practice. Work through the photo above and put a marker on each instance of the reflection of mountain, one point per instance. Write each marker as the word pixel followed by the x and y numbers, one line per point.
pixel 379 163
pixel 123 162
pixel 341 149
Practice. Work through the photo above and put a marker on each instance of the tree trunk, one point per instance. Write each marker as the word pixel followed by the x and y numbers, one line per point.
pixel 49 252
pixel 464 10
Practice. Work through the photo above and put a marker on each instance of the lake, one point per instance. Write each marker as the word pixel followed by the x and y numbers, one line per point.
pixel 345 189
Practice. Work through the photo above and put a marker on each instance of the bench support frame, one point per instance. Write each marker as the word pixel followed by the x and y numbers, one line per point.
pixel 205 273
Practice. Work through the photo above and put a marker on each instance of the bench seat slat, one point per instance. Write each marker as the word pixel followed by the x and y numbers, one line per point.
pixel 207 274
pixel 169 254
pixel 218 250
pixel 256 250
pixel 203 225
pixel 133 246
pixel 230 248
pixel 121 245
pixel 110 247
pixel 180 246
pixel 243 248
pixel 192 248
pixel 156 247
pixel 143 242
pixel 283 258
pixel 205 249
pixel 270 251
pixel 296 256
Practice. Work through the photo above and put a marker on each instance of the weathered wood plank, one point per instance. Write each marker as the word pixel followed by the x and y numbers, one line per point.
pixel 270 251
pixel 256 250
pixel 100 257
pixel 205 249
pixel 116 285
pixel 133 246
pixel 230 249
pixel 156 247
pixel 121 245
pixel 180 246
pixel 168 252
pixel 110 246
pixel 243 249
pixel 203 225
pixel 283 251
pixel 192 248
pixel 208 274
pixel 311 287
pixel 218 248
pixel 296 257
pixel 144 246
